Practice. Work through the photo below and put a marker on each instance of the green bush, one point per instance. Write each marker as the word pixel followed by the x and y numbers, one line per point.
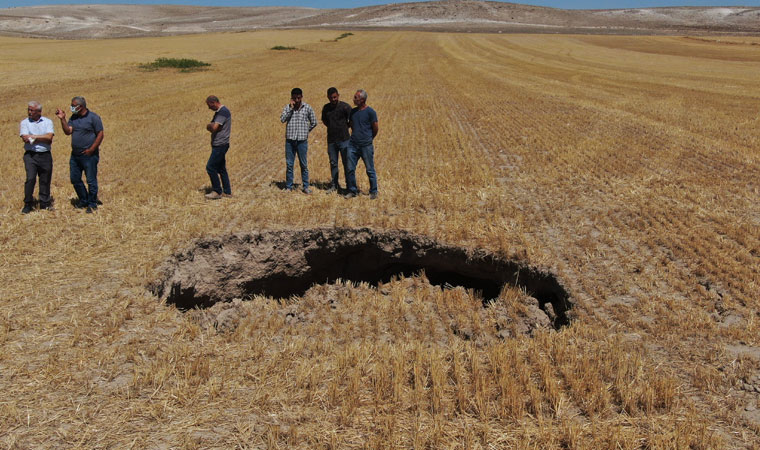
pixel 183 64
pixel 344 35
pixel 282 47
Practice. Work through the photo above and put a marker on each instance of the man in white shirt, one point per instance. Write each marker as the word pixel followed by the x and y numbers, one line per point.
pixel 37 133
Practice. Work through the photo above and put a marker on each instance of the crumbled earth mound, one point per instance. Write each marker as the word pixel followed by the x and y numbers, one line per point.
pixel 103 21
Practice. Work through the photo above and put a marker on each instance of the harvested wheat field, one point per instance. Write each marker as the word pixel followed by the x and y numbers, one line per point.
pixel 565 252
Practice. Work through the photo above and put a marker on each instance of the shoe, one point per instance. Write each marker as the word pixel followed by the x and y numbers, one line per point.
pixel 213 196
pixel 227 195
pixel 373 195
pixel 306 191
pixel 88 210
pixel 332 189
pixel 350 195
pixel 27 209
pixel 47 208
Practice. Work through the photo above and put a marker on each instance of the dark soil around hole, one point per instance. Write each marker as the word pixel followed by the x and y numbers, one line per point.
pixel 283 264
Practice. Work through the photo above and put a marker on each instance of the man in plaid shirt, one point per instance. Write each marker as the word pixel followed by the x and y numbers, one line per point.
pixel 300 119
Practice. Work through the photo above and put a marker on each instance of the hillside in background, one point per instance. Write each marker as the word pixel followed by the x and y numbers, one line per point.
pixel 104 21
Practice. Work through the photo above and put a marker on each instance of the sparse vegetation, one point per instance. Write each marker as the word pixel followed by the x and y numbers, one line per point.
pixel 282 47
pixel 634 179
pixel 342 36
pixel 184 64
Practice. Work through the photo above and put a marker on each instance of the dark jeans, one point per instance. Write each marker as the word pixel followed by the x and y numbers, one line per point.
pixel 89 164
pixel 38 164
pixel 217 169
pixel 333 150
pixel 293 147
pixel 367 154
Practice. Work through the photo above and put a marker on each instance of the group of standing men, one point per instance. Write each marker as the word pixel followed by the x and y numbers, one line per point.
pixel 300 119
pixel 86 131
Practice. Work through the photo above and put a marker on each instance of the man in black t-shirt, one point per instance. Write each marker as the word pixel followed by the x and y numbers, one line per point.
pixel 335 116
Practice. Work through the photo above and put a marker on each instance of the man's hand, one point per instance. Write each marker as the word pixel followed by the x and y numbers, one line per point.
pixel 292 103
pixel 26 137
pixel 60 114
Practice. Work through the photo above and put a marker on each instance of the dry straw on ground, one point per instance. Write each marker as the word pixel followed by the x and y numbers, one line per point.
pixel 628 165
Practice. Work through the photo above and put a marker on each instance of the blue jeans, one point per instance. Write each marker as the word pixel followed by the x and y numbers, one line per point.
pixel 292 147
pixel 333 150
pixel 89 164
pixel 367 154
pixel 216 167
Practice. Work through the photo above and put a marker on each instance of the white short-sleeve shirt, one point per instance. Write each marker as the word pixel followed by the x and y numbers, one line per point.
pixel 42 126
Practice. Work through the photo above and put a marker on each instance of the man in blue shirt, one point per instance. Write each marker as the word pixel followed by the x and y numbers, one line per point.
pixel 86 131
pixel 364 128
pixel 37 133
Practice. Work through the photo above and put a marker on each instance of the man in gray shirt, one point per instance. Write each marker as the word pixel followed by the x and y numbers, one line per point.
pixel 219 127
pixel 86 131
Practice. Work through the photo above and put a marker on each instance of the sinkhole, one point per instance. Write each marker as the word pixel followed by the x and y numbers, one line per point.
pixel 286 263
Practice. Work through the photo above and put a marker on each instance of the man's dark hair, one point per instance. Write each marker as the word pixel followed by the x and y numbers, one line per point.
pixel 212 98
pixel 332 91
pixel 296 91
pixel 79 100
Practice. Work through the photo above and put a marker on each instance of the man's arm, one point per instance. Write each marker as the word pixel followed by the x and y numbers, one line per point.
pixel 324 116
pixel 67 130
pixel 23 131
pixel 98 139
pixel 312 119
pixel 46 138
pixel 375 129
pixel 213 127
pixel 287 113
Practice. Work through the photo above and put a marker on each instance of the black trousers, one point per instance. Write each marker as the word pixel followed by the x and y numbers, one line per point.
pixel 38 164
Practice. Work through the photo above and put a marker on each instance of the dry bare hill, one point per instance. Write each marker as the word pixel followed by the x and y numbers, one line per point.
pixel 627 168
pixel 100 21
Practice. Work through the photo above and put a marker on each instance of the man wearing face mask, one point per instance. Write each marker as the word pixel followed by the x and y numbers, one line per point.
pixel 86 131
pixel 37 133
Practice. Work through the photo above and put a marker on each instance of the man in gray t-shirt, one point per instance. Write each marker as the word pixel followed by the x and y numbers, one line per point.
pixel 86 131
pixel 219 127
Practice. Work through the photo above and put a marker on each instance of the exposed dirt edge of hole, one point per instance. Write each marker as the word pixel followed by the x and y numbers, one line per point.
pixel 286 263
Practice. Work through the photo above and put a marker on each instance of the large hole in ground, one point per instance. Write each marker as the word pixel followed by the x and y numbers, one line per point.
pixel 287 263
